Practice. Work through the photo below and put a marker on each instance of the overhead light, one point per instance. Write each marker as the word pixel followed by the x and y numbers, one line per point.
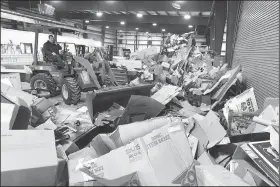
pixel 163 30
pixel 99 14
pixel 122 22
pixel 187 16
pixel 107 27
pixel 147 32
pixel 190 26
pixel 154 24
pixel 176 6
pixel 136 28
pixel 139 15
pixel 87 21
pixel 120 30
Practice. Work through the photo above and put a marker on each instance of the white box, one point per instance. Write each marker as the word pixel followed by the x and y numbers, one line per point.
pixel 28 158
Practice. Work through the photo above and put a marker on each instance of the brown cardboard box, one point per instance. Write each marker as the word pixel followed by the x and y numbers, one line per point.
pixel 28 158
pixel 162 157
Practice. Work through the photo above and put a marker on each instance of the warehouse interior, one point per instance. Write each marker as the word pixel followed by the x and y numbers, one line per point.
pixel 146 93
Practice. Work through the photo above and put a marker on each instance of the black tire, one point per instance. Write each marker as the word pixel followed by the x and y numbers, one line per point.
pixel 74 91
pixel 48 80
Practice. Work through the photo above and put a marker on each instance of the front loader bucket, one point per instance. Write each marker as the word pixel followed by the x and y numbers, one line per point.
pixel 101 100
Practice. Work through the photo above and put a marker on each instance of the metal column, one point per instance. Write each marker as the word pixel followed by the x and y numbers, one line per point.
pixel 35 57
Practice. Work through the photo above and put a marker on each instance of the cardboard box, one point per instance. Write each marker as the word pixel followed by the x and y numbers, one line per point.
pixel 216 175
pixel 10 91
pixel 8 116
pixel 162 157
pixel 104 143
pixel 14 78
pixel 19 118
pixel 265 158
pixel 244 168
pixel 206 159
pixel 28 158
pixel 214 131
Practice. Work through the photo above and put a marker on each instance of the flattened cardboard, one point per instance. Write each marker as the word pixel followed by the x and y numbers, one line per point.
pixel 206 159
pixel 222 91
pixel 248 166
pixel 142 106
pixel 274 139
pixel 213 129
pixel 266 159
pixel 249 179
pixel 10 91
pixel 8 116
pixel 216 175
pixel 166 93
pixel 14 78
pixel 201 136
pixel 28 158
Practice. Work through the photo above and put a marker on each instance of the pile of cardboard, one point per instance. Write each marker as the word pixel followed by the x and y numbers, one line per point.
pixel 198 127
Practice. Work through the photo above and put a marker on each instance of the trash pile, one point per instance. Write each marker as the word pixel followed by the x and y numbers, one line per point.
pixel 198 126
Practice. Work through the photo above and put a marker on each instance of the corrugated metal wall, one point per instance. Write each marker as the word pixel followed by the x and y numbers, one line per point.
pixel 257 47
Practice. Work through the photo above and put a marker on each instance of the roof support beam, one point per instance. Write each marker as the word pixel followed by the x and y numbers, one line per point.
pixel 197 6
pixel 132 18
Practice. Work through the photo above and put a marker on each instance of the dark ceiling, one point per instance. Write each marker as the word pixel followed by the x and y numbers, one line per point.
pixel 160 12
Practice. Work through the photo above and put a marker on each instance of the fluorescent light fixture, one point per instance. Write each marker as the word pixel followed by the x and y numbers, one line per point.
pixel 139 15
pixel 190 26
pixel 163 30
pixel 99 14
pixel 122 22
pixel 107 27
pixel 87 21
pixel 176 6
pixel 136 28
pixel 120 30
pixel 187 16
pixel 154 24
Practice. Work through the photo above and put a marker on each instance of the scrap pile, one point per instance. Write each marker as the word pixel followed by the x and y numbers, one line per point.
pixel 198 126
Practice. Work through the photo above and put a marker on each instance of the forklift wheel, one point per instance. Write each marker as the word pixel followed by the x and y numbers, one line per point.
pixel 45 82
pixel 70 91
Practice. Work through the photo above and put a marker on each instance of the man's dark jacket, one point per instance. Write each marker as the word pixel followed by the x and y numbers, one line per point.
pixel 49 48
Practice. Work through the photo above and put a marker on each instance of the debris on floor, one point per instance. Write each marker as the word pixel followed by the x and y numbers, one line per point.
pixel 184 119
